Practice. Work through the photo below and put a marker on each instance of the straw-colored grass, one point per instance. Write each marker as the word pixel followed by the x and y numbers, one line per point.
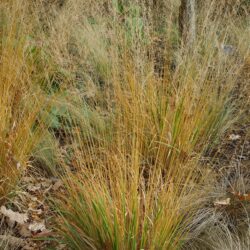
pixel 19 102
pixel 133 111
pixel 133 178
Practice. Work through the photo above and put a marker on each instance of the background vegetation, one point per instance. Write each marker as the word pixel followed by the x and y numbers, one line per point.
pixel 113 98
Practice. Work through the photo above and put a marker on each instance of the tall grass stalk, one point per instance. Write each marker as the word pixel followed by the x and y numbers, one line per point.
pixel 132 179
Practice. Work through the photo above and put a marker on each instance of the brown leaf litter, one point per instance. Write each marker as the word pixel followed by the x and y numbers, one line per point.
pixel 26 217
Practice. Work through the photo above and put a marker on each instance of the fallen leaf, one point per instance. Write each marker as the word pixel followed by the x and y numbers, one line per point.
pixel 44 233
pixel 242 197
pixel 10 223
pixel 234 137
pixel 20 218
pixel 245 197
pixel 36 211
pixel 37 227
pixel 224 202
